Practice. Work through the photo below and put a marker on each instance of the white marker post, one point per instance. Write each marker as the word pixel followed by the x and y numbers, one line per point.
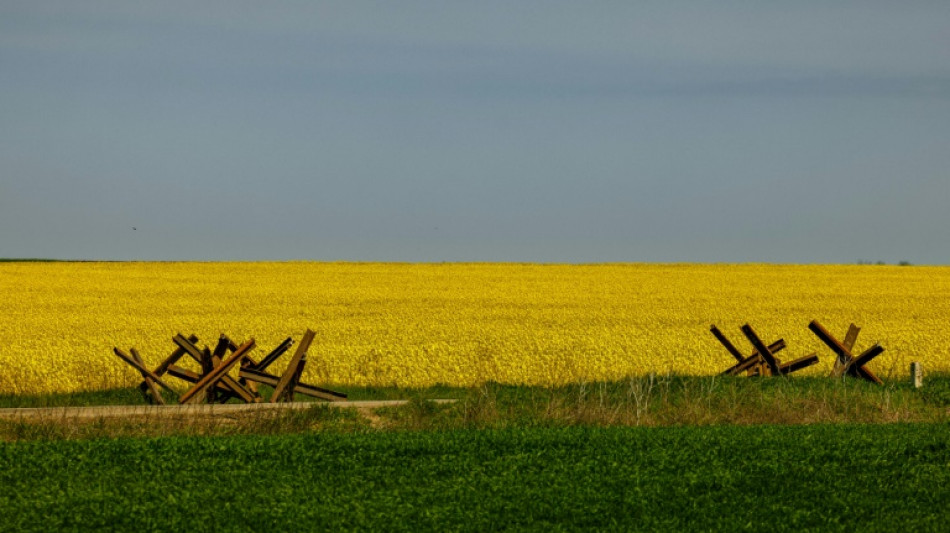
pixel 916 374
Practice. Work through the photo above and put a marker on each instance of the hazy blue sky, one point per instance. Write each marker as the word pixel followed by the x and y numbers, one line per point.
pixel 805 131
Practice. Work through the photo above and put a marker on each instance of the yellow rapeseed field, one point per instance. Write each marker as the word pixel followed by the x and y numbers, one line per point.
pixel 458 324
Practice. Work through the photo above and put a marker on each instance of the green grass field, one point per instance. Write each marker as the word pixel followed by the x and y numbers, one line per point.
pixel 727 478
pixel 659 453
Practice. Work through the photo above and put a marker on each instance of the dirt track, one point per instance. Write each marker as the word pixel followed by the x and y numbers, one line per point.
pixel 173 411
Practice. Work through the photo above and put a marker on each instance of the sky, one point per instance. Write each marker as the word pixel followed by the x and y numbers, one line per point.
pixel 529 131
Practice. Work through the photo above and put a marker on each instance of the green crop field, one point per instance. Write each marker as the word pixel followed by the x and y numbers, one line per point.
pixel 653 453
pixel 726 478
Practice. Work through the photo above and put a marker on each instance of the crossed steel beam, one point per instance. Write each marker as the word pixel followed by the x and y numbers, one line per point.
pixel 846 364
pixel 762 361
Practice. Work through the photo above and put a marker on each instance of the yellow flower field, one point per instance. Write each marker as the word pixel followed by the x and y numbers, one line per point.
pixel 458 324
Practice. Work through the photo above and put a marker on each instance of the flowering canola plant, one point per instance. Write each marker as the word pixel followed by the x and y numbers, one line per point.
pixel 458 324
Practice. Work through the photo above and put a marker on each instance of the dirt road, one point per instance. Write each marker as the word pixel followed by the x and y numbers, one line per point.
pixel 176 411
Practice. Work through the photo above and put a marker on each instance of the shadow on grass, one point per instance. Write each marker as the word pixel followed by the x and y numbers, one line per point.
pixel 653 400
pixel 125 396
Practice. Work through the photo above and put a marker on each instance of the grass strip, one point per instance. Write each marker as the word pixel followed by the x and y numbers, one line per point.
pixel 637 401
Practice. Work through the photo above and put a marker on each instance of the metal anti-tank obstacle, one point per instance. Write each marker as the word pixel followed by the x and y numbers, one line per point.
pixel 762 361
pixel 847 364
pixel 212 383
